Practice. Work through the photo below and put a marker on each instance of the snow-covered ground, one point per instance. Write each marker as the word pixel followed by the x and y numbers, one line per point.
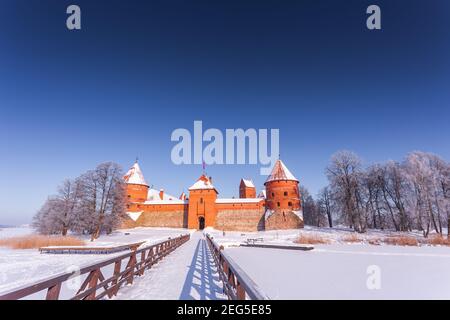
pixel 338 270
pixel 338 235
pixel 21 267
pixel 341 270
pixel 14 232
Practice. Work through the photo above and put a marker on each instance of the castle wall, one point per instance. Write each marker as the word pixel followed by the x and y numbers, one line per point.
pixel 162 215
pixel 240 216
pixel 281 220
pixel 170 219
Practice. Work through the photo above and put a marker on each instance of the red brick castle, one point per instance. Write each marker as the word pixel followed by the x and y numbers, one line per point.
pixel 278 206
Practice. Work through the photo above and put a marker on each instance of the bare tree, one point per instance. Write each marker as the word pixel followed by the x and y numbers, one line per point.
pixel 59 211
pixel 90 204
pixel 68 199
pixel 345 174
pixel 103 198
pixel 423 176
pixel 47 220
pixel 325 205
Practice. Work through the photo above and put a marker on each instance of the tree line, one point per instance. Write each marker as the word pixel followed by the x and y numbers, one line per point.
pixel 91 204
pixel 413 194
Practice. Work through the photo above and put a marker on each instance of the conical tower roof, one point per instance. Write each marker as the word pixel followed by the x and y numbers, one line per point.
pixel 280 172
pixel 135 176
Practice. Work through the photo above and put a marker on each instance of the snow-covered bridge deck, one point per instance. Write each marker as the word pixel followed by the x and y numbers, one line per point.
pixel 188 273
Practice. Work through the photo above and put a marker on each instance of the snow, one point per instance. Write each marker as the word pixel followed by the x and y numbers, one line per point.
pixel 262 194
pixel 340 270
pixel 15 232
pixel 336 235
pixel 21 267
pixel 154 195
pixel 134 215
pixel 248 183
pixel 332 272
pixel 202 183
pixel 239 200
pixel 280 172
pixel 268 213
pixel 135 176
pixel 298 213
pixel 187 273
pixel 174 201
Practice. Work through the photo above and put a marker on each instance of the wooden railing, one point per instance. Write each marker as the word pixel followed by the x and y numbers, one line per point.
pixel 90 250
pixel 237 285
pixel 95 281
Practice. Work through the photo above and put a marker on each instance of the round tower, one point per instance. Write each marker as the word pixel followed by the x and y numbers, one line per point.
pixel 137 188
pixel 283 205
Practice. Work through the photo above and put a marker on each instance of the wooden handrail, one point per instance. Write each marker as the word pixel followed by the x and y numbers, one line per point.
pixel 236 283
pixel 95 279
pixel 90 250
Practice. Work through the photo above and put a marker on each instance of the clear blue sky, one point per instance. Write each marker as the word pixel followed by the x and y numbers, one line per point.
pixel 140 69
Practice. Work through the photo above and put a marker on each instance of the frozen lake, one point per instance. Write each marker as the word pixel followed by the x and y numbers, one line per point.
pixel 341 272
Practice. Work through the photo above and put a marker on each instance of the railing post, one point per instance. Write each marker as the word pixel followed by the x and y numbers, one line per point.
pixel 93 284
pixel 131 265
pixel 53 292
pixel 117 266
pixel 240 291
pixel 142 264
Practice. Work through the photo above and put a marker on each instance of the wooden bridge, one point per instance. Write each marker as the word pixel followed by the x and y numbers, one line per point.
pixel 133 273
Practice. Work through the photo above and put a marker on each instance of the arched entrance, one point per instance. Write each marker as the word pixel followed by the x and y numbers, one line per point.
pixel 201 223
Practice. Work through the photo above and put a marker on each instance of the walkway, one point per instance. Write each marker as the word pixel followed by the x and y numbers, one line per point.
pixel 188 273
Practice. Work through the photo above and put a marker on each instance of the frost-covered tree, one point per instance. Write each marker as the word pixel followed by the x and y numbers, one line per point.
pixel 103 199
pixel 91 204
pixel 59 212
pixel 345 175
pixel 429 178
pixel 68 200
pixel 47 220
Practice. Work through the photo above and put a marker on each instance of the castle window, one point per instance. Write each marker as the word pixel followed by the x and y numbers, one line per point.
pixel 201 200
pixel 278 204
pixel 285 193
pixel 273 194
pixel 290 204
pixel 129 196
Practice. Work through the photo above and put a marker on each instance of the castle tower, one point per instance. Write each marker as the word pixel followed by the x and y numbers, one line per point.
pixel 247 189
pixel 137 188
pixel 282 199
pixel 202 204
